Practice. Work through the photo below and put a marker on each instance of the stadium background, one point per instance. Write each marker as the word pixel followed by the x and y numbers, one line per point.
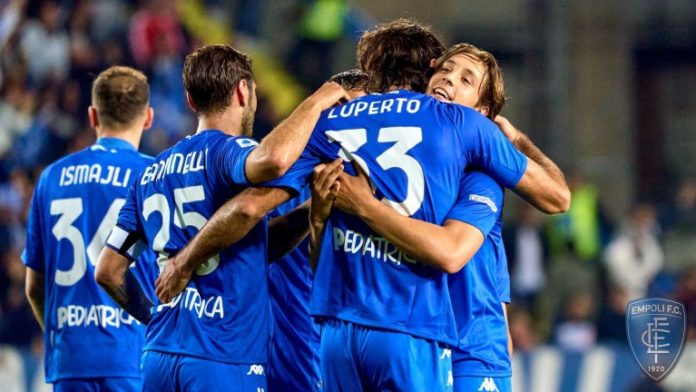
pixel 605 87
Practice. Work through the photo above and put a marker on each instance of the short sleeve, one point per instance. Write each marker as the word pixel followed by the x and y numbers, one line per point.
pixel 33 255
pixel 488 150
pixel 230 159
pixel 479 202
pixel 127 237
pixel 298 176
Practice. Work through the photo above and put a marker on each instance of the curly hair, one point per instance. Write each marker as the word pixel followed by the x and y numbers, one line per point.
pixel 398 54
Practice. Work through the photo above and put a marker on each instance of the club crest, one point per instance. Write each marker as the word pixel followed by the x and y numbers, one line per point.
pixel 656 330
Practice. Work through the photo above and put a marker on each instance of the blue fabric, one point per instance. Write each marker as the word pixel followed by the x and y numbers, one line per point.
pixel 294 356
pixel 477 291
pixel 164 372
pixel 355 358
pixel 415 150
pixel 224 313
pixel 98 385
pixel 74 206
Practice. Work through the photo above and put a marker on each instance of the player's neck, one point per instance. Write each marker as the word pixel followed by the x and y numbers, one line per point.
pixel 229 122
pixel 131 136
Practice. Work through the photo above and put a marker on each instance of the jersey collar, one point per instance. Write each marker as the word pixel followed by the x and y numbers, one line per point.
pixel 115 143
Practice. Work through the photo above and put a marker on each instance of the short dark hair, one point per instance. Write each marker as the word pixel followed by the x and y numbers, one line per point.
pixel 353 79
pixel 120 94
pixel 210 75
pixel 398 53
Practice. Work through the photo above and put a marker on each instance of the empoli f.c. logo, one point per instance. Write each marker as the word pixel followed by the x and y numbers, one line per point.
pixel 656 330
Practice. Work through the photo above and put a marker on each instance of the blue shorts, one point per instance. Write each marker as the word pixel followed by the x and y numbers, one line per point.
pixel 101 384
pixel 356 358
pixel 164 372
pixel 483 384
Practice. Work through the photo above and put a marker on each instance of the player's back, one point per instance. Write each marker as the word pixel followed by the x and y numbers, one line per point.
pixel 223 314
pixel 414 149
pixel 75 205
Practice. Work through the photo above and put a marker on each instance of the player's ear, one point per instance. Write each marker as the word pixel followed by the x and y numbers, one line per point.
pixel 149 117
pixel 93 117
pixel 242 92
pixel 483 110
pixel 189 101
pixel 433 62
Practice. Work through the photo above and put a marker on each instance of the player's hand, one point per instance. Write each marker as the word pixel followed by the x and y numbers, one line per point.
pixel 172 281
pixel 507 128
pixel 328 95
pixel 324 189
pixel 354 192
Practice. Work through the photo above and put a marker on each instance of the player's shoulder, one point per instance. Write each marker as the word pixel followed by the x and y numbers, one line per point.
pixel 458 113
pixel 479 183
pixel 75 158
pixel 147 159
pixel 479 178
pixel 215 138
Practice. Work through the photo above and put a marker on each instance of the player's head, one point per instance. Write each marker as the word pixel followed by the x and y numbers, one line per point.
pixel 217 78
pixel 398 54
pixel 471 77
pixel 120 101
pixel 353 81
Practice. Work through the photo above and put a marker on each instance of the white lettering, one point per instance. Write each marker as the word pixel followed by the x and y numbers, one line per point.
pixel 378 248
pixel 178 163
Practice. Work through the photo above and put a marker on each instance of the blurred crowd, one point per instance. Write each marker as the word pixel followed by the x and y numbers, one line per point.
pixel 572 275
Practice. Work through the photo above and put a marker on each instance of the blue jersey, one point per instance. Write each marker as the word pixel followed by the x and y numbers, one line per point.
pixel 223 314
pixel 74 207
pixel 476 291
pixel 414 149
pixel 294 356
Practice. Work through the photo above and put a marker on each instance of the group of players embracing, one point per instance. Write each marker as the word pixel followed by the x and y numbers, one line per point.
pixel 357 247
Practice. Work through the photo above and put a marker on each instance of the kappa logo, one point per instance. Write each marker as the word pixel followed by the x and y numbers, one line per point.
pixel 446 353
pixel 256 370
pixel 656 330
pixel 488 385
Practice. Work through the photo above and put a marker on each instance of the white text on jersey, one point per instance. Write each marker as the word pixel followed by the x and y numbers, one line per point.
pixel 95 173
pixel 96 315
pixel 378 247
pixel 396 105
pixel 177 163
pixel 192 301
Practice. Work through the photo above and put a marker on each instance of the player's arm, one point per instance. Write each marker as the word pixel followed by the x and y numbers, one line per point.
pixel 543 183
pixel 34 255
pixel 287 231
pixel 34 289
pixel 280 149
pixel 230 223
pixel 114 276
pixel 448 247
pixel 510 347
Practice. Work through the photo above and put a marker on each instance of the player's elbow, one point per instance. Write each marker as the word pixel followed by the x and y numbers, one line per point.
pixel 104 274
pixel 33 290
pixel 560 201
pixel 103 277
pixel 249 210
pixel 276 164
pixel 453 262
